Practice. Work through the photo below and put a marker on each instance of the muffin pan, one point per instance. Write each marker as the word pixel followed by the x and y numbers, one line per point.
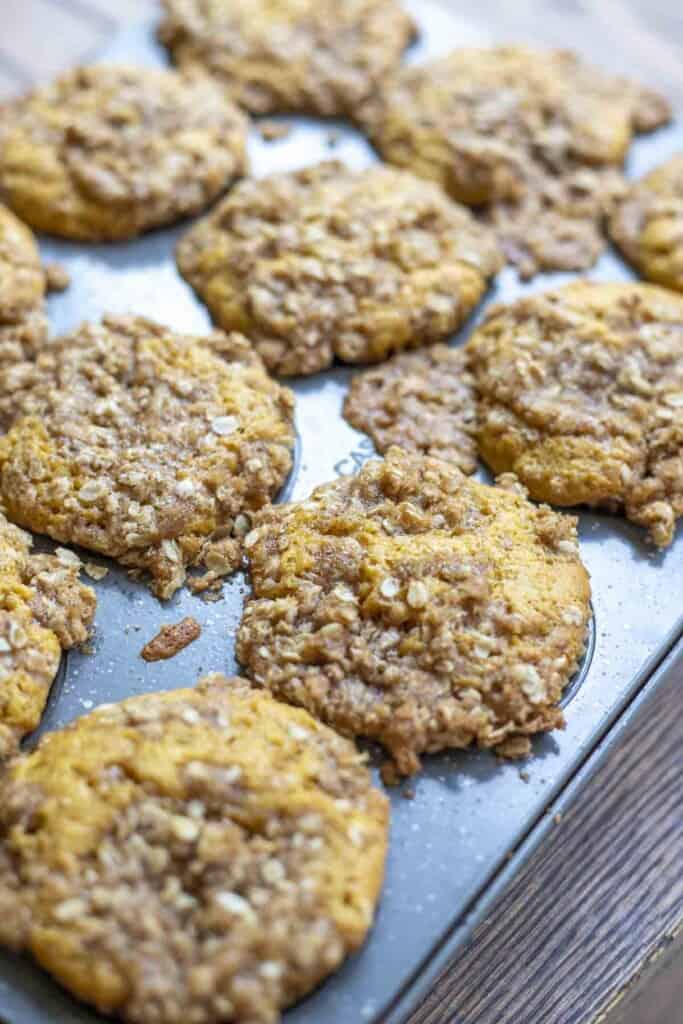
pixel 456 825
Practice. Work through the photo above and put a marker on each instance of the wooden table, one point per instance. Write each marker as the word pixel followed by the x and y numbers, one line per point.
pixel 588 932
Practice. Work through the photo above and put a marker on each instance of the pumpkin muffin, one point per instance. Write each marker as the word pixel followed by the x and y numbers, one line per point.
pixel 205 855
pixel 145 445
pixel 536 138
pixel 648 224
pixel 107 152
pixel 289 56
pixel 328 262
pixel 581 396
pixel 411 605
pixel 44 609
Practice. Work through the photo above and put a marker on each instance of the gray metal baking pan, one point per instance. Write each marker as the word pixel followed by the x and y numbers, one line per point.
pixel 473 819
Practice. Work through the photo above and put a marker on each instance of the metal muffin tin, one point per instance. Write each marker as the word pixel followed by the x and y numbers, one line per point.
pixel 473 819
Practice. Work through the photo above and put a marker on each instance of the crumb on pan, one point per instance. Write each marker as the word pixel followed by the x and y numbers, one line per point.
pixel 273 131
pixel 171 640
pixel 57 277
pixel 95 571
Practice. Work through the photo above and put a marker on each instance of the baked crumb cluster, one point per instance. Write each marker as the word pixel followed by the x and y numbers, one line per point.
pixel 330 262
pixel 44 608
pixel 581 396
pixel 421 401
pixel 314 56
pixel 171 640
pixel 648 224
pixel 107 152
pixel 536 138
pixel 414 606
pixel 194 856
pixel 149 446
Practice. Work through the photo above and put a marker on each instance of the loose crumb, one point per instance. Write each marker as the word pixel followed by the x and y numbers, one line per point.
pixel 514 748
pixel 171 640
pixel 57 277
pixel 94 571
pixel 273 131
pixel 389 773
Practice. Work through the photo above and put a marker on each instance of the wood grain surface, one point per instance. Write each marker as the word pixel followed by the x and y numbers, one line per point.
pixel 588 931
pixel 601 898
